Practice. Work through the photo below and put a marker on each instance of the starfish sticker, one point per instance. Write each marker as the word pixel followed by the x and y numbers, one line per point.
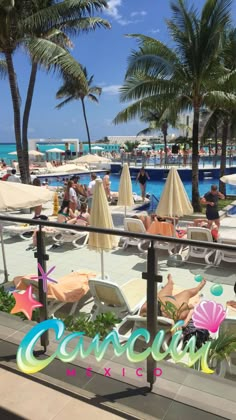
pixel 25 303
pixel 44 277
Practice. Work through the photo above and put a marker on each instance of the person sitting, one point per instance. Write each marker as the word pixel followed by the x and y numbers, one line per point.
pixel 66 215
pixel 180 300
pixel 13 177
pixel 83 217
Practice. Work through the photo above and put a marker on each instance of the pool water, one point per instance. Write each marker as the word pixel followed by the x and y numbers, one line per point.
pixel 153 187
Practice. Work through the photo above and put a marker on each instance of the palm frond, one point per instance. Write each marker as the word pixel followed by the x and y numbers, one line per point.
pixel 76 26
pixel 3 69
pixel 54 57
pixel 65 102
pixel 62 12
pixel 220 99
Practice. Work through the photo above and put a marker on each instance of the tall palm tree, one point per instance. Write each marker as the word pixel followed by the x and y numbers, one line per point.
pixel 24 23
pixel 224 117
pixel 73 90
pixel 188 76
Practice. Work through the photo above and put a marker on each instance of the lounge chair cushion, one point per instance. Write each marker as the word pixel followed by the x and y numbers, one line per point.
pixel 69 288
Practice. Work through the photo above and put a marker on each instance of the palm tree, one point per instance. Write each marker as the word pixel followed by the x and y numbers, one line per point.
pixel 224 117
pixel 25 23
pixel 190 76
pixel 159 118
pixel 72 89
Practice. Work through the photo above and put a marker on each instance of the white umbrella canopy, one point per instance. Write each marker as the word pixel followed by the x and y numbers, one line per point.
pixel 68 168
pixel 91 159
pixel 35 153
pixel 174 201
pixel 12 153
pixel 14 195
pixel 125 197
pixel 101 218
pixel 97 148
pixel 229 179
pixel 55 150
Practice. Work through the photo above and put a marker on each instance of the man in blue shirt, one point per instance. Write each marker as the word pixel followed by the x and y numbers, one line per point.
pixel 210 199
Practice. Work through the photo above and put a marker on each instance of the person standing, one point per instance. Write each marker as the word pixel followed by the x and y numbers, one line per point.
pixel 106 184
pixel 210 199
pixel 142 178
pixel 91 188
pixel 71 194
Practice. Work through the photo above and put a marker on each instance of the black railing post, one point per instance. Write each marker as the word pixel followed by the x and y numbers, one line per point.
pixel 42 257
pixel 152 280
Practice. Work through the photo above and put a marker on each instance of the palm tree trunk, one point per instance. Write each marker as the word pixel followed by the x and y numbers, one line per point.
pixel 225 131
pixel 216 142
pixel 26 115
pixel 195 161
pixel 16 109
pixel 86 124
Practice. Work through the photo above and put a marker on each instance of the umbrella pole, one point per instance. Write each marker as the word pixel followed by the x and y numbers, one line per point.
pixel 4 257
pixel 125 211
pixel 102 265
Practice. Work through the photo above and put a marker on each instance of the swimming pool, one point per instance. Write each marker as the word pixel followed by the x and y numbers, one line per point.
pixel 153 187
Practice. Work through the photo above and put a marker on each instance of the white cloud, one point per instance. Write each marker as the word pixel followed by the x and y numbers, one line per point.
pixel 114 13
pixel 142 13
pixel 124 22
pixel 154 31
pixel 111 89
pixel 112 10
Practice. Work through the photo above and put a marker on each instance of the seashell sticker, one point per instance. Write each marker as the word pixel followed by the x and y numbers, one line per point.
pixel 208 315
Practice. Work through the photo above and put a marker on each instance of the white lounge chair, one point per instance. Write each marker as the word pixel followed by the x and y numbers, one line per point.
pixel 70 289
pixel 199 234
pixel 133 322
pixel 78 239
pixel 134 226
pixel 228 256
pixel 121 300
pixel 163 229
pixel 23 231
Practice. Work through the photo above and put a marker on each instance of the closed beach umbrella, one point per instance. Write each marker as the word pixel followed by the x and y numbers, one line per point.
pixel 101 218
pixel 125 197
pixel 229 179
pixel 174 201
pixel 20 196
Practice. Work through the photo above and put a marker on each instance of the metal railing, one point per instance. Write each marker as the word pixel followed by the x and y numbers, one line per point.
pixel 151 275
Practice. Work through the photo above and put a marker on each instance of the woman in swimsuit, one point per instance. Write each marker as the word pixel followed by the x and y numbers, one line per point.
pixel 142 180
pixel 66 215
pixel 180 300
pixel 84 217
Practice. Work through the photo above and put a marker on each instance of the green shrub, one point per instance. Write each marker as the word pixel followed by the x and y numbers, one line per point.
pixel 102 325
pixel 7 303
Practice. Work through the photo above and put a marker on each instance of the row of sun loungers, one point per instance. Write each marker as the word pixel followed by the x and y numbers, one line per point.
pixel 192 233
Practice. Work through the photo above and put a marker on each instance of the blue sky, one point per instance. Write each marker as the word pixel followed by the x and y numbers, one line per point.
pixel 104 53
